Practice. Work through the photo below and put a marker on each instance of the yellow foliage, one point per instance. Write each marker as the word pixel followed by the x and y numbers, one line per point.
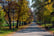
pixel 0 7
pixel 8 0
pixel 49 8
pixel 23 10
pixel 49 1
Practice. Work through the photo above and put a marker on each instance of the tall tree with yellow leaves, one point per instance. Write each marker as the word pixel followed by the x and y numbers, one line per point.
pixel 23 8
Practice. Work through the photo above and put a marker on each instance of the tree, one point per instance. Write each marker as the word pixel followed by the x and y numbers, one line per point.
pixel 45 8
pixel 1 16
pixel 9 11
pixel 39 6
pixel 23 8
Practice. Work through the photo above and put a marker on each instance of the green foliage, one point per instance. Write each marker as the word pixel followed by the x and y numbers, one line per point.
pixel 49 25
pixel 44 11
pixel 6 25
pixel 51 29
pixel 1 17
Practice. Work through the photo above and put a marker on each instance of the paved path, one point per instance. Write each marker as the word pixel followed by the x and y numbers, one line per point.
pixel 32 30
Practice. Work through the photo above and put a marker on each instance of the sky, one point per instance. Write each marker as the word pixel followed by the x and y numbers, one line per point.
pixel 31 4
pixel 30 1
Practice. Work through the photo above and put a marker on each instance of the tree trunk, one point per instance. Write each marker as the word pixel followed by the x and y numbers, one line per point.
pixel 18 18
pixel 19 14
pixel 9 21
pixel 53 24
pixel 17 24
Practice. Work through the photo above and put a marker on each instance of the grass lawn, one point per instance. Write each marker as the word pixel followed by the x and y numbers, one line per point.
pixel 3 34
pixel 51 29
pixel 5 29
pixel 11 24
pixel 46 25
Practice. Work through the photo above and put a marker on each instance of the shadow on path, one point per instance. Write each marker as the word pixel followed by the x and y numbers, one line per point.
pixel 33 29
